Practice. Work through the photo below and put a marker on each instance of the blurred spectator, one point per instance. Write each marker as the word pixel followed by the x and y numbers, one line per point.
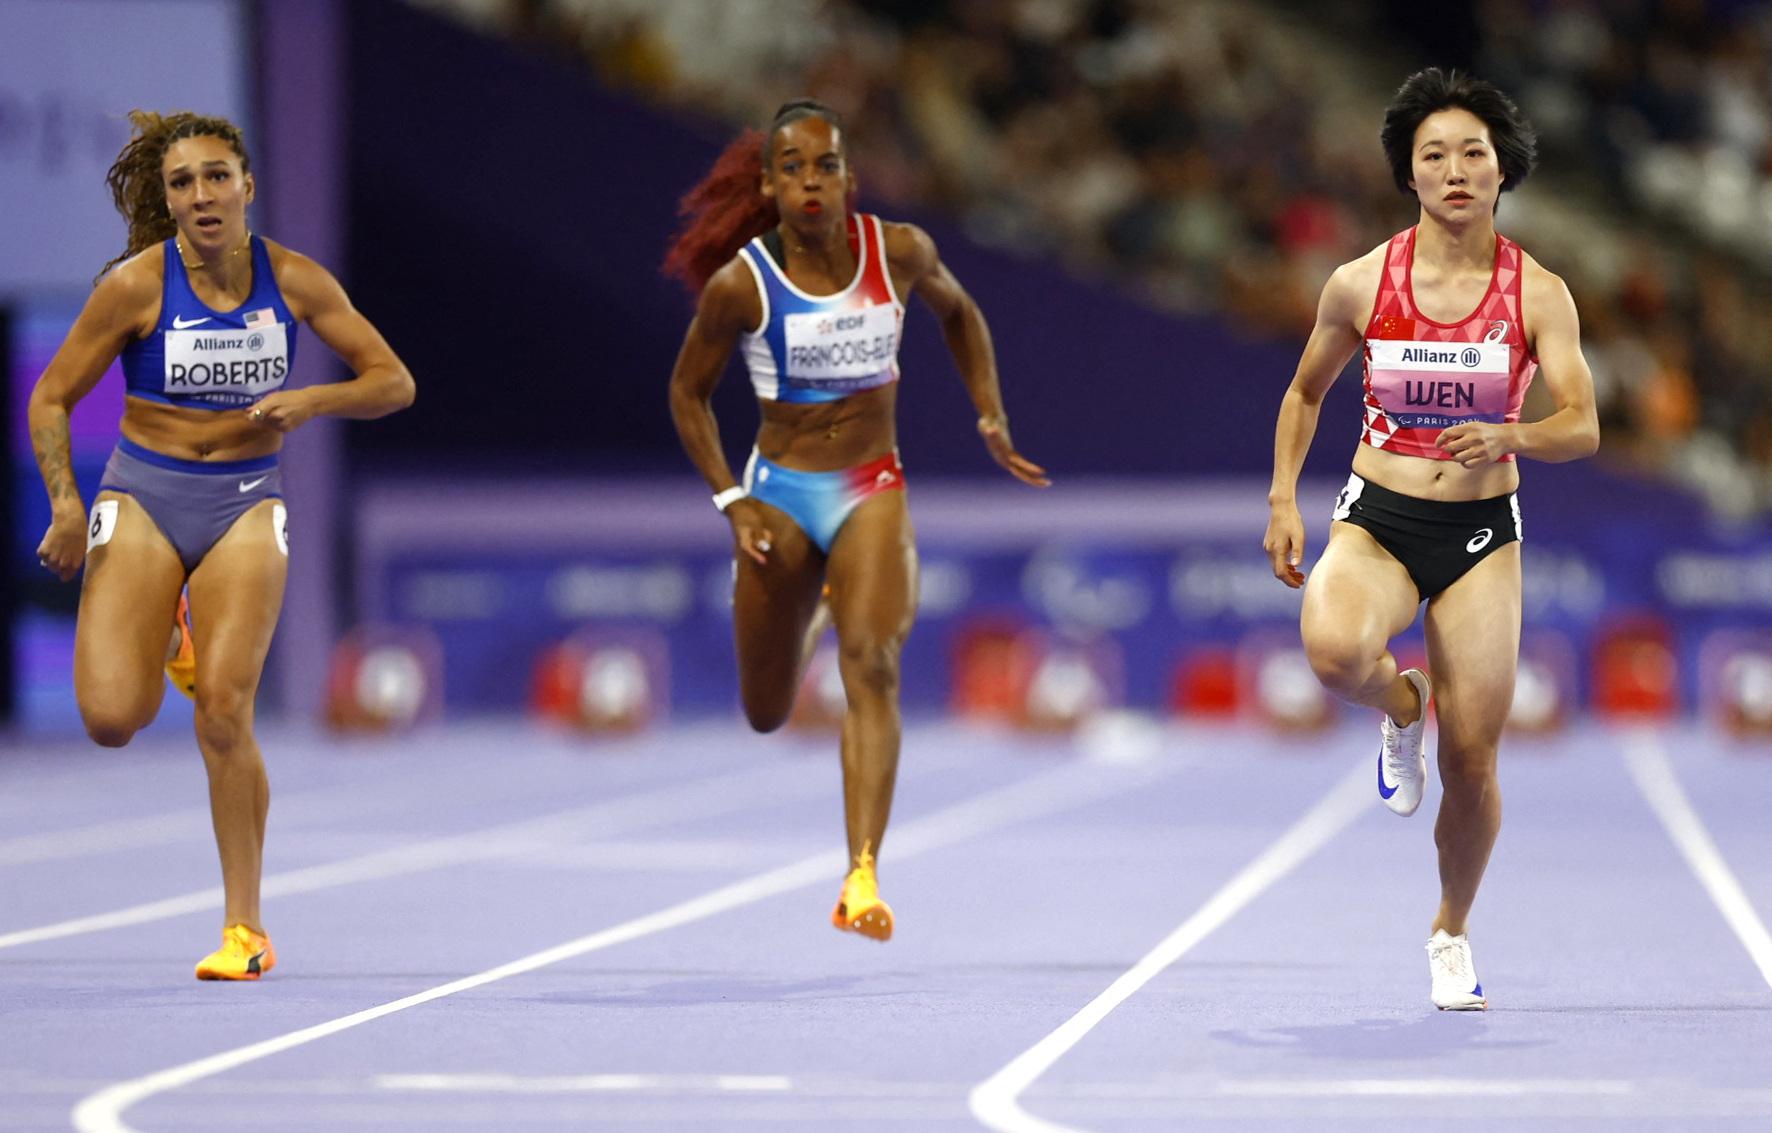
pixel 1218 156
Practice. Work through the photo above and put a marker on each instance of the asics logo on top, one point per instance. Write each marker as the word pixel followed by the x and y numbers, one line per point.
pixel 1480 540
pixel 179 322
pixel 884 478
pixel 1497 331
pixel 249 485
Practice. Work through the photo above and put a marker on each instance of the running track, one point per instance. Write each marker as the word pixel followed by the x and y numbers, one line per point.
pixel 487 927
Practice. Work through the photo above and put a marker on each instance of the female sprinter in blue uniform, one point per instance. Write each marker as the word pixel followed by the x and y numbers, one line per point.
pixel 814 295
pixel 204 314
pixel 1453 320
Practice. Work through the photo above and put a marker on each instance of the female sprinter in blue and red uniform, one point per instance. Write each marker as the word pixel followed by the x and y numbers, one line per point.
pixel 204 314
pixel 814 295
pixel 1452 320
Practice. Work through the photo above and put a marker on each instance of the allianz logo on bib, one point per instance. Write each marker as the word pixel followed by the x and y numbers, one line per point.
pixel 1473 357
pixel 1465 358
pixel 246 362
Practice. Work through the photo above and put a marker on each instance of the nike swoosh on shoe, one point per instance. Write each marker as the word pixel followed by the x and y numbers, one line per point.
pixel 1383 791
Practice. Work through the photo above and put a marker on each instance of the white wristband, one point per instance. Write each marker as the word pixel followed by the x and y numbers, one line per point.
pixel 723 500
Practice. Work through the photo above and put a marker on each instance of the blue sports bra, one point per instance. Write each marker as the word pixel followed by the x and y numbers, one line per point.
pixel 207 359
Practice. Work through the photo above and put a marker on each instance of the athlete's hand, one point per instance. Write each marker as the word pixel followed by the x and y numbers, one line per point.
pixel 63 548
pixel 282 411
pixel 1284 543
pixel 995 431
pixel 750 529
pixel 1474 443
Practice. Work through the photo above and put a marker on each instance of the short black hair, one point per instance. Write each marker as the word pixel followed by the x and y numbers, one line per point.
pixel 1432 90
pixel 795 110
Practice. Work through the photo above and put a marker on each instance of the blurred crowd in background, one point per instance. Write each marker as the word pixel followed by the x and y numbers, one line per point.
pixel 1221 157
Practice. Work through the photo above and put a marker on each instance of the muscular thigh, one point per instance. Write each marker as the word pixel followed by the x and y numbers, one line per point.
pixel 236 596
pixel 128 594
pixel 772 602
pixel 1473 643
pixel 873 571
pixel 1357 594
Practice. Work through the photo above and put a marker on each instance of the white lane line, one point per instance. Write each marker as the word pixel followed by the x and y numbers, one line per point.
pixel 585 1083
pixel 619 816
pixel 1655 778
pixel 1425 1087
pixel 1068 786
pixel 994 1101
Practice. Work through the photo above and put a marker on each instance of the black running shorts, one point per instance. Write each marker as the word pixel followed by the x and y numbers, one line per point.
pixel 1437 541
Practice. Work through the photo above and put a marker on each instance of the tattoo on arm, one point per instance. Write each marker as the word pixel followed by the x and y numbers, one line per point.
pixel 53 449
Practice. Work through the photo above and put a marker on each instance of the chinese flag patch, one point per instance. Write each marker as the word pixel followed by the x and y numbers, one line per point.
pixel 1396 327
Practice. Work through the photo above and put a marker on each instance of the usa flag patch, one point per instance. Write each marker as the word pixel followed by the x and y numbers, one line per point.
pixel 260 319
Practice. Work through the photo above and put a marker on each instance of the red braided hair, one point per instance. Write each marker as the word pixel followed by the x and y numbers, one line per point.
pixel 723 213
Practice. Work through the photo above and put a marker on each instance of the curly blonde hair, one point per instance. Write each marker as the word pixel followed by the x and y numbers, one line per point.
pixel 136 185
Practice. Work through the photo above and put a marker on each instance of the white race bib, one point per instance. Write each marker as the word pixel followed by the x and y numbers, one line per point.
pixel 831 345
pixel 102 525
pixel 233 367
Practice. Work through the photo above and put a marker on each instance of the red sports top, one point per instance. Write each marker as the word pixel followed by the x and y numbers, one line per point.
pixel 1422 376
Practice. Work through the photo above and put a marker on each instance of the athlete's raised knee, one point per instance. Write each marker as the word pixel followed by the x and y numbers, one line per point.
pixel 766 718
pixel 1343 667
pixel 109 729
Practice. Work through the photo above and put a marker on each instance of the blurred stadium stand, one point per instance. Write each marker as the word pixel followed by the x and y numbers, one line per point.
pixel 1146 198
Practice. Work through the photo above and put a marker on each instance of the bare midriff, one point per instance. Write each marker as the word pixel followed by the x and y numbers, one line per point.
pixel 1434 479
pixel 828 435
pixel 197 434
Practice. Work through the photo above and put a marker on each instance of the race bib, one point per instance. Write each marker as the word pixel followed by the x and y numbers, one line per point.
pixel 280 527
pixel 227 367
pixel 828 346
pixel 1436 385
pixel 102 525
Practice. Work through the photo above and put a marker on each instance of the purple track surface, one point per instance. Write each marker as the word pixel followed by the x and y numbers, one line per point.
pixel 1027 875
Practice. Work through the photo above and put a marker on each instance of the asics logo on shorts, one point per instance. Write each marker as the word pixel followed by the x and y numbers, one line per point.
pixel 1480 540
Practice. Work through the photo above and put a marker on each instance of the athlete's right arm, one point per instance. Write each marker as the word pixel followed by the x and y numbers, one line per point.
pixel 728 307
pixel 1332 342
pixel 115 313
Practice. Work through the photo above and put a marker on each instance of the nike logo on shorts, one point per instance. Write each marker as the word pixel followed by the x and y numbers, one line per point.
pixel 249 485
pixel 1480 540
pixel 179 322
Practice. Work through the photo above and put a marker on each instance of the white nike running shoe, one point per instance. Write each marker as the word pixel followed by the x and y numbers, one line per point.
pixel 1455 976
pixel 1402 768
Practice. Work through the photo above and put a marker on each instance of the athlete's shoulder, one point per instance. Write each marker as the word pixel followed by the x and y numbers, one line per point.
pixel 730 296
pixel 291 267
pixel 136 282
pixel 1535 274
pixel 1545 299
pixel 1353 284
pixel 908 246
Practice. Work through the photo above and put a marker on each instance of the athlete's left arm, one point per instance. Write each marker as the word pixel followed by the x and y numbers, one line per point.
pixel 1573 430
pixel 911 252
pixel 381 384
